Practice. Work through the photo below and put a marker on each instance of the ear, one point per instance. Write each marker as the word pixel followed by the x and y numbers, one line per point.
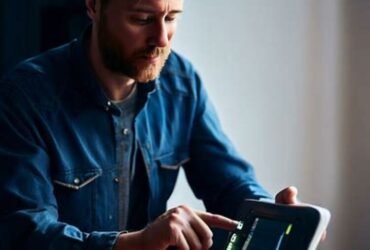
pixel 91 7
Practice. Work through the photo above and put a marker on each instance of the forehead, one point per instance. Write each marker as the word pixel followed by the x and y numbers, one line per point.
pixel 150 5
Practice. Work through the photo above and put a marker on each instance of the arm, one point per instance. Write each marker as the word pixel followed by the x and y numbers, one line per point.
pixel 216 172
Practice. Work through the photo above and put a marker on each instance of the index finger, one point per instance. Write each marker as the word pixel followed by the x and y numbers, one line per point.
pixel 218 221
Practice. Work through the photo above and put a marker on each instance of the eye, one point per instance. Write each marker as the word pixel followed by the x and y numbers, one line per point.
pixel 142 20
pixel 170 19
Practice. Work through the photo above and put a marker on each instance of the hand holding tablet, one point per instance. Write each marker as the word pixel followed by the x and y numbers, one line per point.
pixel 271 226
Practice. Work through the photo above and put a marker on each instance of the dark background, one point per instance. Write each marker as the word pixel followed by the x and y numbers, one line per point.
pixel 28 27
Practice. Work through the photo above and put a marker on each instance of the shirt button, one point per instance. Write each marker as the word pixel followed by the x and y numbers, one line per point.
pixel 109 104
pixel 76 181
pixel 116 180
pixel 125 131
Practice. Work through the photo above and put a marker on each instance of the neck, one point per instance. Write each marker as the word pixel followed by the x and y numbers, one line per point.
pixel 116 86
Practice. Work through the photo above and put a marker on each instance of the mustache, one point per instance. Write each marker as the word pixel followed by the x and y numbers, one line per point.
pixel 152 52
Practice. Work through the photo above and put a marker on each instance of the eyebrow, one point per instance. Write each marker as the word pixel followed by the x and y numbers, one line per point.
pixel 151 11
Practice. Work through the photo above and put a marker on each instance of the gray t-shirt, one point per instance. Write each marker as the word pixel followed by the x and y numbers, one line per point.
pixel 125 151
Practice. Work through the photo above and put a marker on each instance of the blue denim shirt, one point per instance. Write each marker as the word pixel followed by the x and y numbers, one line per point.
pixel 58 160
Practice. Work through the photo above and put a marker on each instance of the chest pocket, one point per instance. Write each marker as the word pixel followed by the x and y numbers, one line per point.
pixel 75 180
pixel 173 161
pixel 168 168
pixel 76 192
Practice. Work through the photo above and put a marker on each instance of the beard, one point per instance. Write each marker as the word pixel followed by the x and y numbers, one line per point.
pixel 135 66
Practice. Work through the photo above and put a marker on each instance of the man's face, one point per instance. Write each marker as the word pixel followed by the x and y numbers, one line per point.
pixel 134 36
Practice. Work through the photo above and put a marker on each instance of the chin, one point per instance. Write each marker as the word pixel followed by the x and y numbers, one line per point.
pixel 146 79
pixel 148 74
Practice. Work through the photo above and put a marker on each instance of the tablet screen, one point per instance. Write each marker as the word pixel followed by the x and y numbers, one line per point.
pixel 263 233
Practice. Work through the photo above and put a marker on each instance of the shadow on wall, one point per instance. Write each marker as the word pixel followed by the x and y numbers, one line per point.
pixel 30 27
pixel 355 204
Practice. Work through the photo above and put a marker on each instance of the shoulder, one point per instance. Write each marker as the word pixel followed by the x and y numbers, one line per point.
pixel 36 77
pixel 178 64
pixel 179 75
pixel 44 65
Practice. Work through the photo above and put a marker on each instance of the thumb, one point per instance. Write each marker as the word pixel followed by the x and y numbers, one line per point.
pixel 287 196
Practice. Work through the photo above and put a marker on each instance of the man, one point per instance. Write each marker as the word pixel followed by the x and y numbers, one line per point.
pixel 93 134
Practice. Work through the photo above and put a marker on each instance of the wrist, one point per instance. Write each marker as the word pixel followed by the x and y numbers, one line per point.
pixel 129 241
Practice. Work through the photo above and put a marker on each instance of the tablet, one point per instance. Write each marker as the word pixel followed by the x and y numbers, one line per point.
pixel 270 226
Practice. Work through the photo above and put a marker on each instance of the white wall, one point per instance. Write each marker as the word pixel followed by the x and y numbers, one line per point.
pixel 279 73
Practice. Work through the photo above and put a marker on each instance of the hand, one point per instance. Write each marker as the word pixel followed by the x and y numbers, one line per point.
pixel 180 227
pixel 289 196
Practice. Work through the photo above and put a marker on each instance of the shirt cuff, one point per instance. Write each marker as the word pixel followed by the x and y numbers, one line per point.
pixel 102 240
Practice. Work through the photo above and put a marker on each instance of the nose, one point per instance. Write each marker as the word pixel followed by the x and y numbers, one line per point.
pixel 160 35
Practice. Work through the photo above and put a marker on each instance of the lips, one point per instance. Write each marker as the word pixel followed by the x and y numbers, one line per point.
pixel 151 58
pixel 152 55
